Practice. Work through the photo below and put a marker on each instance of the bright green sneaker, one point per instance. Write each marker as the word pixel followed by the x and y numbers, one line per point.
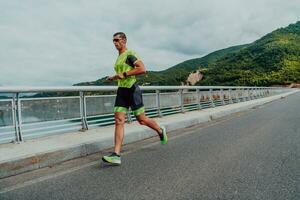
pixel 163 137
pixel 113 159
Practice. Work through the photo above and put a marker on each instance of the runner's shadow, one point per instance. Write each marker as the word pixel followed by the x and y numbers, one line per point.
pixel 106 165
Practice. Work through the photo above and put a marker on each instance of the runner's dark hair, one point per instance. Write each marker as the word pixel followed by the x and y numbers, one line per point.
pixel 121 35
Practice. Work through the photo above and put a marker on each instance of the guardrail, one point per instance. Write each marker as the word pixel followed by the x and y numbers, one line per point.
pixel 23 118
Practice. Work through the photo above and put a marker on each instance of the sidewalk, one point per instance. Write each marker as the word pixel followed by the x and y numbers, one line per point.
pixel 47 151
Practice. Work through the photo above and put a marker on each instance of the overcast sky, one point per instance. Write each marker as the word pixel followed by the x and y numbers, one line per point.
pixel 59 43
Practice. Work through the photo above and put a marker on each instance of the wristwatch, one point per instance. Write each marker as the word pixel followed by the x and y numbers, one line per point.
pixel 125 74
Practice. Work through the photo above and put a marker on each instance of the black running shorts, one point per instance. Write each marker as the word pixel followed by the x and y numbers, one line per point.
pixel 129 97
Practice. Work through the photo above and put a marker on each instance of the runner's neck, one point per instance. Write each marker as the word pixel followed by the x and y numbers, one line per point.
pixel 122 50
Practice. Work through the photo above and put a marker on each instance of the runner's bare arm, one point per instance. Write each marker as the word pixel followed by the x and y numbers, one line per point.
pixel 139 69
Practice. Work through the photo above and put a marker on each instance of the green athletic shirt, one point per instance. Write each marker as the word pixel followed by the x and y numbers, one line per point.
pixel 125 62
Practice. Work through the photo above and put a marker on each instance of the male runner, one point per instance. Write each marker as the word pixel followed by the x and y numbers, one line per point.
pixel 127 66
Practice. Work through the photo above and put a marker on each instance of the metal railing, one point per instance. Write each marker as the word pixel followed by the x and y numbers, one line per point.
pixel 23 118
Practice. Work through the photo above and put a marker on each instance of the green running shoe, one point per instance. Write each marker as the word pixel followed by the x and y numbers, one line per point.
pixel 163 137
pixel 113 159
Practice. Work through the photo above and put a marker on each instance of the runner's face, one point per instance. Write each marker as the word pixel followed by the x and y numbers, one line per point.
pixel 119 42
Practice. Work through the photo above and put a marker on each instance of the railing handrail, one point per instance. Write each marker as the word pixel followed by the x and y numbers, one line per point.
pixel 113 88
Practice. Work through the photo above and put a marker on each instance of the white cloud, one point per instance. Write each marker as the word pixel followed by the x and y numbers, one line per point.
pixel 66 42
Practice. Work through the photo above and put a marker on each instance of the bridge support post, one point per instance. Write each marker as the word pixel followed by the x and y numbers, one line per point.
pixel 211 98
pixel 199 99
pixel 259 93
pixel 129 119
pixel 251 93
pixel 158 103
pixel 237 95
pixel 181 101
pixel 230 96
pixel 17 117
pixel 222 97
pixel 244 94
pixel 248 94
pixel 84 123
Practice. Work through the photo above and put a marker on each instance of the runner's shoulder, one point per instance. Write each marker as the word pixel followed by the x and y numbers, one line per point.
pixel 132 52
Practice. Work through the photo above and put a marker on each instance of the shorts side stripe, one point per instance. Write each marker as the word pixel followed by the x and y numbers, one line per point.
pixel 120 109
pixel 139 111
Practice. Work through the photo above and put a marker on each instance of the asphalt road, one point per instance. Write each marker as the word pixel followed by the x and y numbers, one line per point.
pixel 250 155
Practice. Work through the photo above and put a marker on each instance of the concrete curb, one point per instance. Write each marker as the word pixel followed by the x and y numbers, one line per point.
pixel 91 142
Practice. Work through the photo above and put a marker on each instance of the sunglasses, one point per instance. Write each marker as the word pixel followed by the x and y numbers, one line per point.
pixel 116 40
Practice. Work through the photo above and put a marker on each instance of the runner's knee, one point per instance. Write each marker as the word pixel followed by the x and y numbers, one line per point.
pixel 119 120
pixel 142 121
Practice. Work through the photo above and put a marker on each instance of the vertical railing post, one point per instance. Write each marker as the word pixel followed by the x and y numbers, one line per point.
pixel 211 98
pixel 19 113
pixel 237 95
pixel 244 94
pixel 158 103
pixel 222 96
pixel 256 93
pixel 129 119
pixel 252 93
pixel 199 99
pixel 83 111
pixel 14 117
pixel 230 96
pixel 248 94
pixel 17 117
pixel 242 97
pixel 181 101
pixel 261 93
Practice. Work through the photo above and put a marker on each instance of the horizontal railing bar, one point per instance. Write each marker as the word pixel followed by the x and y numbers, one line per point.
pixel 114 88
pixel 101 115
pixel 6 127
pixel 6 133
pixel 51 132
pixel 106 95
pixel 102 124
pixel 151 112
pixel 99 120
pixel 5 100
pixel 51 127
pixel 49 98
pixel 48 122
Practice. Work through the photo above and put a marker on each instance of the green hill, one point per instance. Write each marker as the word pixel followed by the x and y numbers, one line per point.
pixel 179 73
pixel 273 59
